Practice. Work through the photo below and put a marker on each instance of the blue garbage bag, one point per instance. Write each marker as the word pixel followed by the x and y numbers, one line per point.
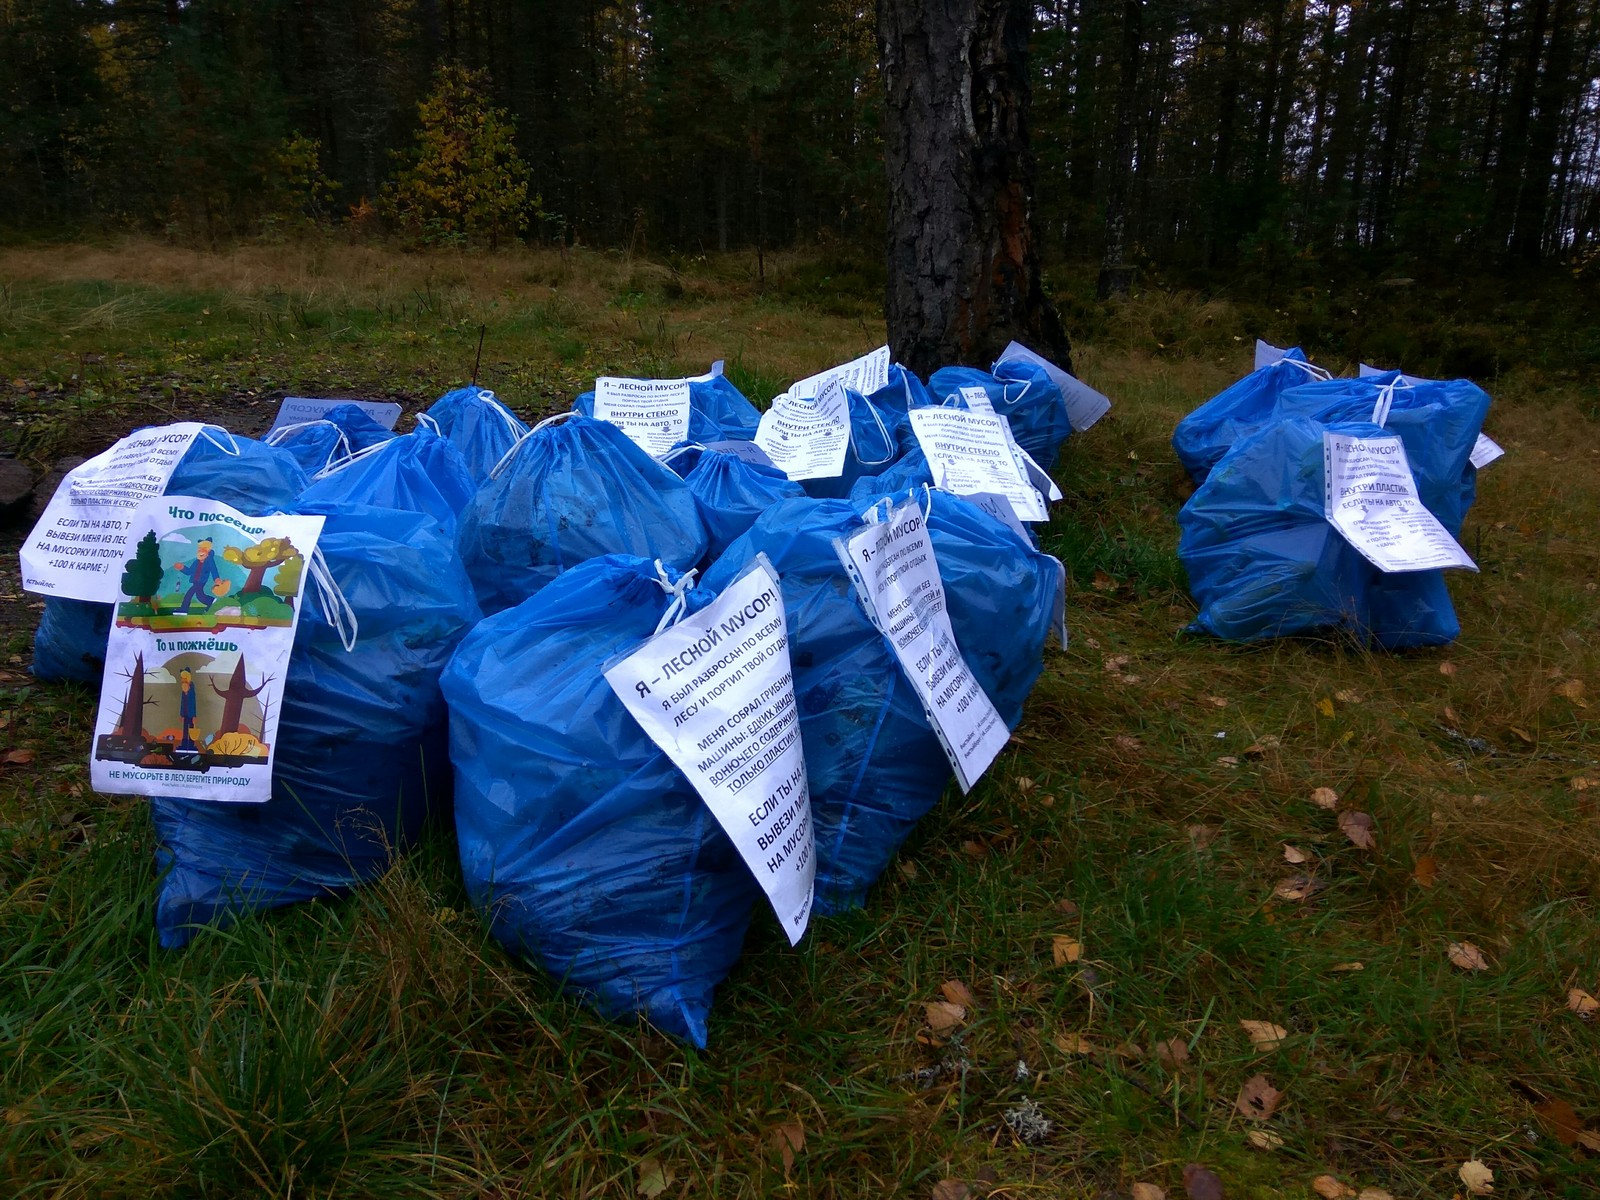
pixel 1021 392
pixel 910 470
pixel 588 850
pixel 1239 410
pixel 1263 560
pixel 717 410
pixel 361 756
pixel 902 392
pixel 872 448
pixel 875 765
pixel 572 491
pixel 253 477
pixel 731 492
pixel 343 430
pixel 421 472
pixel 482 428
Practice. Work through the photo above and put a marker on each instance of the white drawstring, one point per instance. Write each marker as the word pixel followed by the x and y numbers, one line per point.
pixel 513 422
pixel 1385 401
pixel 494 472
pixel 341 448
pixel 887 440
pixel 350 459
pixel 1310 369
pixel 680 602
pixel 427 422
pixel 335 607
pixel 679 451
pixel 231 448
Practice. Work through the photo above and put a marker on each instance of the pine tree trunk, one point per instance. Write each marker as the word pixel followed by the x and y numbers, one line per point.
pixel 963 260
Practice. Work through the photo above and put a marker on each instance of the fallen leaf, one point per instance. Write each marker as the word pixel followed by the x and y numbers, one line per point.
pixel 908 868
pixel 1025 785
pixel 1572 690
pixel 1425 870
pixel 1330 1188
pixel 1447 668
pixel 1294 855
pixel 1526 737
pixel 1228 760
pixel 1349 966
pixel 1589 1139
pixel 1370 1193
pixel 1216 702
pixel 1264 1035
pixel 1201 1184
pixel 1357 826
pixel 943 1017
pixel 1325 706
pixel 974 849
pixel 958 993
pixel 17 758
pixel 1580 783
pixel 1264 1139
pixel 1467 956
pixel 951 1189
pixel 1065 949
pixel 1582 1003
pixel 1146 1191
pixel 1116 662
pixel 1067 907
pixel 1296 887
pixel 1565 1124
pixel 790 1139
pixel 1202 835
pixel 1258 1099
pixel 1346 696
pixel 1074 1043
pixel 653 1178
pixel 1478 1178
pixel 1103 582
pixel 1259 748
pixel 1325 797
pixel 1128 743
pixel 1451 715
pixel 1172 1053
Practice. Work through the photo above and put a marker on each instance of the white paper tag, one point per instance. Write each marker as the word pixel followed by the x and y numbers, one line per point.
pixel 1267 354
pixel 971 452
pixel 654 413
pixel 977 399
pixel 865 375
pixel 998 507
pixel 1037 475
pixel 77 547
pixel 1485 450
pixel 297 410
pixel 1371 498
pixel 716 693
pixel 1085 406
pixel 895 572
pixel 198 655
pixel 807 438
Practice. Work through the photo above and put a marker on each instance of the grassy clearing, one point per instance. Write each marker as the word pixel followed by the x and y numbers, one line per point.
pixel 381 1046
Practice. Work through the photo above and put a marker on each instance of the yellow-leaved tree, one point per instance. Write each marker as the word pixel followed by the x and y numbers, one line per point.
pixel 464 178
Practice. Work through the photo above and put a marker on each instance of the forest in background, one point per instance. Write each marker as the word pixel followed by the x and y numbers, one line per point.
pixel 1391 137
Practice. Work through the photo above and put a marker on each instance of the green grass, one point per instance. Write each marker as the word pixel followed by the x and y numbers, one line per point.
pixel 382 1045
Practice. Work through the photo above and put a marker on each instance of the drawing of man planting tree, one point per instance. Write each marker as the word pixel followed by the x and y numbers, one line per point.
pixel 200 587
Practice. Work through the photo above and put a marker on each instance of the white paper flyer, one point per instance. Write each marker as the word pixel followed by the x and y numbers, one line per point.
pixel 1371 499
pixel 972 452
pixel 716 693
pixel 807 438
pixel 654 413
pixel 865 375
pixel 199 651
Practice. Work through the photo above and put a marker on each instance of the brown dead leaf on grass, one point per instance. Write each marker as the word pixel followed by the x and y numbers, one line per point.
pixel 1371 1193
pixel 1357 826
pixel 17 758
pixel 1146 1191
pixel 1202 835
pixel 789 1139
pixel 944 1017
pixel 958 993
pixel 1258 1099
pixel 1467 956
pixel 1564 1124
pixel 1572 690
pixel 1580 783
pixel 1447 668
pixel 1297 887
pixel 1425 870
pixel 1260 747
pixel 1325 797
pixel 1582 1003
pixel 1264 1139
pixel 1065 949
pixel 1325 706
pixel 1347 966
pixel 1478 1178
pixel 1346 696
pixel 1329 1188
pixel 1264 1035
pixel 1127 743
pixel 1294 855
pixel 1073 1043
pixel 1589 1139
pixel 951 1189
pixel 1171 1053
pixel 1068 907
pixel 654 1178
pixel 1201 1184
pixel 1216 702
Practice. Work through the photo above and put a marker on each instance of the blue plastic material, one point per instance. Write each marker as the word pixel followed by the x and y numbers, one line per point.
pixel 589 851
pixel 420 472
pixel 1021 392
pixel 1263 560
pixel 874 763
pixel 872 449
pixel 718 411
pixel 253 477
pixel 573 491
pixel 909 471
pixel 360 758
pixel 479 424
pixel 731 493
pixel 313 444
pixel 1245 407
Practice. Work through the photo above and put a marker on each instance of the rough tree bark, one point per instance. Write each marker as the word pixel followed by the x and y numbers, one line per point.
pixel 963 258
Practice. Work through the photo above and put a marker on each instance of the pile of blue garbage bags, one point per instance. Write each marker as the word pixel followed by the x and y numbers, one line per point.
pixel 494 570
pixel 1263 558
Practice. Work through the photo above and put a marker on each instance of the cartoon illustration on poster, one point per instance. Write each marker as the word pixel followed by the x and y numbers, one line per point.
pixel 197 657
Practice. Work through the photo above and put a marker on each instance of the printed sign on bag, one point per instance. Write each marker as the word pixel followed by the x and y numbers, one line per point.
pixel 807 439
pixel 199 651
pixel 972 452
pixel 1370 497
pixel 897 577
pixel 1084 405
pixel 654 413
pixel 716 693
pixel 77 546
pixel 865 375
